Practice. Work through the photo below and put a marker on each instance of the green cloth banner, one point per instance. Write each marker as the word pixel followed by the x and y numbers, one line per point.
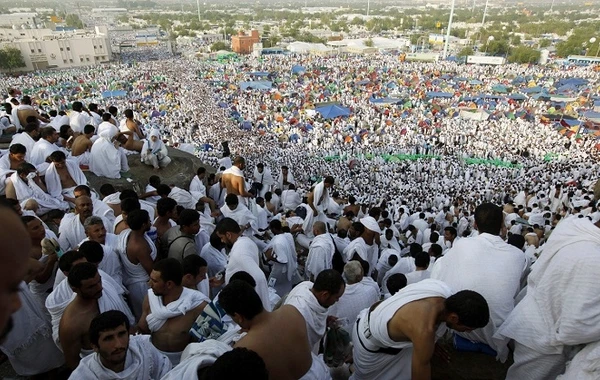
pixel 483 161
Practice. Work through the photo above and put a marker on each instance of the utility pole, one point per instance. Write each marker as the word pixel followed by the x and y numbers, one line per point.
pixel 445 53
pixel 484 13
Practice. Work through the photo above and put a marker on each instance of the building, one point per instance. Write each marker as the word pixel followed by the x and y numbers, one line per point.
pixel 243 44
pixel 44 48
pixel 18 20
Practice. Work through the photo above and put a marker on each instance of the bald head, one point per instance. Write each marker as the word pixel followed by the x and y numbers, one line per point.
pixel 319 228
pixel 14 254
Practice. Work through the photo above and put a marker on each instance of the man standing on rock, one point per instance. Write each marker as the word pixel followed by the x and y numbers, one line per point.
pixel 233 180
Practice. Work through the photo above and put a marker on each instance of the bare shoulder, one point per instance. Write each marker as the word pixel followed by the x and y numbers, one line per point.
pixel 290 313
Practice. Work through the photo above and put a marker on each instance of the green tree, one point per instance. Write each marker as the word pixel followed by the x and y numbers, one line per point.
pixel 515 40
pixel 357 21
pixel 497 47
pixel 458 32
pixel 524 54
pixel 11 58
pixel 466 51
pixel 369 42
pixel 545 43
pixel 73 21
pixel 220 45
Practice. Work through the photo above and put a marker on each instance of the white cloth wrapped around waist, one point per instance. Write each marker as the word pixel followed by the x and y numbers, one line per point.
pixel 160 313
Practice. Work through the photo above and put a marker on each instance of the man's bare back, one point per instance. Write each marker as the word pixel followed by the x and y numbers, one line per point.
pixel 81 145
pixel 74 329
pixel 136 247
pixel 232 183
pixel 281 340
pixel 174 335
pixel 420 316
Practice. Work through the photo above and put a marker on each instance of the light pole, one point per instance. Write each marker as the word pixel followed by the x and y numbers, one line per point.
pixel 592 40
pixel 489 39
pixel 484 13
pixel 368 7
pixel 198 3
pixel 447 43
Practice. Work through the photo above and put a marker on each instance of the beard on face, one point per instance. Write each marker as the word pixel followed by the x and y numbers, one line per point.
pixel 7 330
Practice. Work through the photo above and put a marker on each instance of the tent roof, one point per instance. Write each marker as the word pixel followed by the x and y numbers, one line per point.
pixel 332 111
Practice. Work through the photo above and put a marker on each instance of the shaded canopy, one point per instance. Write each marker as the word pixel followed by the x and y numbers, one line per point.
pixel 332 111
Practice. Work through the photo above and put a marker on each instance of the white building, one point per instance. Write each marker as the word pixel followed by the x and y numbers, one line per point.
pixel 18 20
pixel 44 48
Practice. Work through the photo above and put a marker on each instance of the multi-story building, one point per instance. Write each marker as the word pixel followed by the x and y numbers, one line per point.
pixel 19 20
pixel 44 48
pixel 242 43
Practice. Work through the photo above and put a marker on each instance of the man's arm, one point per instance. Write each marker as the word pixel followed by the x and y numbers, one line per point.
pixel 41 118
pixel 70 340
pixel 45 274
pixel 311 201
pixel 423 347
pixel 142 323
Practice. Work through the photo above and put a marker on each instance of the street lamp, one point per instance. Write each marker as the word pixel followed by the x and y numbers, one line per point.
pixel 592 40
pixel 489 39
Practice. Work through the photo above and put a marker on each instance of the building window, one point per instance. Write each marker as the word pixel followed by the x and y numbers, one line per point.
pixel 61 49
pixel 100 46
pixel 39 50
pixel 32 51
pixel 94 46
pixel 87 59
pixel 70 60
pixel 64 61
pixel 68 48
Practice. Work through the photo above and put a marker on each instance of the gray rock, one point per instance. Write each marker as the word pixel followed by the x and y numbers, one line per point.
pixel 179 172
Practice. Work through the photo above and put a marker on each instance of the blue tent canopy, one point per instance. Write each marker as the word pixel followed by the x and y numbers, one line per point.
pixel 260 74
pixel 247 125
pixel 363 82
pixel 532 90
pixel 500 88
pixel 517 97
pixel 571 122
pixel 114 94
pixel 256 85
pixel 391 85
pixel 435 94
pixel 333 111
pixel 460 79
pixel 542 96
pixel 475 81
pixel 592 115
pixel 489 96
pixel 572 81
pixel 297 69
